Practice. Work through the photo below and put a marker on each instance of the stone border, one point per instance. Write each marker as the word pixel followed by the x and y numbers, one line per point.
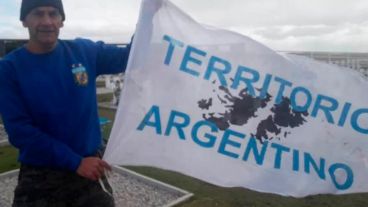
pixel 158 184
pixel 4 143
pixel 107 105
pixel 145 179
pixel 9 174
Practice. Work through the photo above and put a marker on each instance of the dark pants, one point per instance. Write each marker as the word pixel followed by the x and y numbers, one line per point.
pixel 41 187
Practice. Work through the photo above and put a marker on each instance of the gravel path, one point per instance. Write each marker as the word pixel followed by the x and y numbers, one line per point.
pixel 6 191
pixel 129 191
pixel 3 135
pixel 132 192
pixel 107 105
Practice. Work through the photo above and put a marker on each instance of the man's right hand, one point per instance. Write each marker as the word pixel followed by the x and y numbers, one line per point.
pixel 92 168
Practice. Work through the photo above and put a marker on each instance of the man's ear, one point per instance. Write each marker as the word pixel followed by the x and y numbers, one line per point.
pixel 62 24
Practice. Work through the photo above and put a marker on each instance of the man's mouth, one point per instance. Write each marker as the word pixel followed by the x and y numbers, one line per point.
pixel 46 31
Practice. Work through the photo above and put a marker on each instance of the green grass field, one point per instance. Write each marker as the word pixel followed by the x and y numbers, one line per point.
pixel 105 97
pixel 8 159
pixel 207 195
pixel 100 84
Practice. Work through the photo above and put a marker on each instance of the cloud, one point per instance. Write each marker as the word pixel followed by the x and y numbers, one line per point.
pixel 277 12
pixel 344 38
pixel 110 21
pixel 281 32
pixel 328 25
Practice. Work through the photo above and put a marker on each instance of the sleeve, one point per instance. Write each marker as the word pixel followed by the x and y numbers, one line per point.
pixel 36 147
pixel 111 59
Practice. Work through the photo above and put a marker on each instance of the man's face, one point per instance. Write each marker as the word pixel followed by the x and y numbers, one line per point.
pixel 43 24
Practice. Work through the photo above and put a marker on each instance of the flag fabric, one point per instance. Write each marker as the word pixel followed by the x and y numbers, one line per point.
pixel 221 107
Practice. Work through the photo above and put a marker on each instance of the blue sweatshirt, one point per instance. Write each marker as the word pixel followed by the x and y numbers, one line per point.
pixel 48 101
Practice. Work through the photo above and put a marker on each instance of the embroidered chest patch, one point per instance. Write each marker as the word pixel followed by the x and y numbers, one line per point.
pixel 80 74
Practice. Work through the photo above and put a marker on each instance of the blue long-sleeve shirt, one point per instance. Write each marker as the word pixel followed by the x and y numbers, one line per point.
pixel 48 101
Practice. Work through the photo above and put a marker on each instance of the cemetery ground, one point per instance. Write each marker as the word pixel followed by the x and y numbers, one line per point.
pixel 208 195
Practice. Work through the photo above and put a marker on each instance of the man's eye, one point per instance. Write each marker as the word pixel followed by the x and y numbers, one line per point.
pixel 54 14
pixel 38 14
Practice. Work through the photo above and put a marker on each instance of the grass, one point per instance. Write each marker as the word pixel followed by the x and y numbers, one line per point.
pixel 100 84
pixel 107 97
pixel 208 195
pixel 8 158
pixel 8 154
pixel 109 114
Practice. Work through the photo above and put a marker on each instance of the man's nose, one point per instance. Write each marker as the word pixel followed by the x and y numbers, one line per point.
pixel 46 20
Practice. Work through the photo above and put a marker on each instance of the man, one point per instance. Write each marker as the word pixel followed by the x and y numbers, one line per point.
pixel 49 109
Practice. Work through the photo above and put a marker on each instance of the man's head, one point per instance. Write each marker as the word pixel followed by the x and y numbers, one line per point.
pixel 43 18
pixel 28 5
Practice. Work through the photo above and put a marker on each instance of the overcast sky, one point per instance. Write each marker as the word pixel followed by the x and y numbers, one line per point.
pixel 292 25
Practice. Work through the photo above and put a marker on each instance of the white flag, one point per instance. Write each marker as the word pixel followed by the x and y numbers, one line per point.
pixel 226 109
